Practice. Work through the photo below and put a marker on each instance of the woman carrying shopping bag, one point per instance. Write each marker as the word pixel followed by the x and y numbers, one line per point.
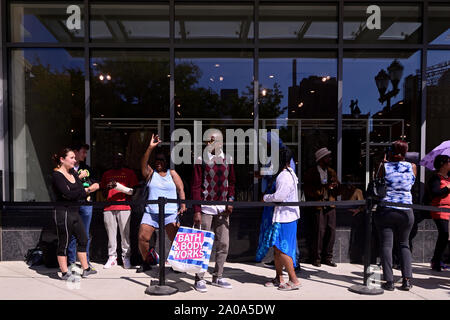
pixel 282 235
pixel 162 182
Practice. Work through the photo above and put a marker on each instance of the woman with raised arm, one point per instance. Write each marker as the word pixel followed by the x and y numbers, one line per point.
pixel 161 182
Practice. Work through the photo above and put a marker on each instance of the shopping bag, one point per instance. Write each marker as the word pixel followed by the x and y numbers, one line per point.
pixel 191 250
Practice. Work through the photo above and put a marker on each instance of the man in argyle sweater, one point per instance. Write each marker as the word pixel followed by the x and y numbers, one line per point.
pixel 214 180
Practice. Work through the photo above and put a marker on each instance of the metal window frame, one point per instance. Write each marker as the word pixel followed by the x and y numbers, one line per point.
pixel 340 46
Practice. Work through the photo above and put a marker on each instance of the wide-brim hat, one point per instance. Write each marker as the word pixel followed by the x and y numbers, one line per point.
pixel 322 152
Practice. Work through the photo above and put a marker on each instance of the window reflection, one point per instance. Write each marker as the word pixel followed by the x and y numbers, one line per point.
pixel 291 24
pixel 397 23
pixel 216 88
pixel 439 24
pixel 45 22
pixel 129 23
pixel 214 23
pixel 46 84
pixel 214 85
pixel 438 98
pixel 380 105
pixel 129 102
pixel 303 105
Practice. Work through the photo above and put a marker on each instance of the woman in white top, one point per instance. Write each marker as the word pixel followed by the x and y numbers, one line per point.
pixel 282 235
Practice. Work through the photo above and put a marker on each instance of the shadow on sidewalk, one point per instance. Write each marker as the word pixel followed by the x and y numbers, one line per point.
pixel 325 275
pixel 52 273
pixel 243 276
pixel 177 280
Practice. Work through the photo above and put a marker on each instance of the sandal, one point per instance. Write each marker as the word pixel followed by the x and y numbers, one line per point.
pixel 272 283
pixel 288 286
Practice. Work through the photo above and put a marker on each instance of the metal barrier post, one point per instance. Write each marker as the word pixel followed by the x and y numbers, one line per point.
pixel 162 289
pixel 366 288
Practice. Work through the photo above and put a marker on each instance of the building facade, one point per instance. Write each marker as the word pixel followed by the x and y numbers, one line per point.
pixel 352 76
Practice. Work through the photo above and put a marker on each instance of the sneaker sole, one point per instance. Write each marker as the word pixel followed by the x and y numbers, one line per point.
pixel 219 286
pixel 201 291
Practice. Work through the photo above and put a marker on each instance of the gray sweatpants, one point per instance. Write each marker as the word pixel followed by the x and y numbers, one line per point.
pixel 220 225
pixel 112 219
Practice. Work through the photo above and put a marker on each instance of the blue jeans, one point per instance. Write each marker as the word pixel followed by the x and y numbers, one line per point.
pixel 86 217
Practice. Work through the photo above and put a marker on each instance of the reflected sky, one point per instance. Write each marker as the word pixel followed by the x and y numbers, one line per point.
pixel 359 81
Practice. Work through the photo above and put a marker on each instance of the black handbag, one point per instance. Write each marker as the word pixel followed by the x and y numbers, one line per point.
pixel 377 187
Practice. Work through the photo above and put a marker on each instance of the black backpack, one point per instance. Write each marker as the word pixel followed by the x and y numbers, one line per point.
pixel 48 244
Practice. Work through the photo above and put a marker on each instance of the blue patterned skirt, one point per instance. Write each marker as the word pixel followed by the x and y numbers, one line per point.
pixel 283 236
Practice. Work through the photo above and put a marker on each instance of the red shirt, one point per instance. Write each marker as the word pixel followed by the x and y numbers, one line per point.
pixel 442 202
pixel 124 176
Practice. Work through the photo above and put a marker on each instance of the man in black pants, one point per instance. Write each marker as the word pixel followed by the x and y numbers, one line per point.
pixel 321 184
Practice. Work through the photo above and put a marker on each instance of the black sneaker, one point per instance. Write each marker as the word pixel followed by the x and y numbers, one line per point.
pixel 406 285
pixel 144 267
pixel 388 285
pixel 87 272
pixel 66 276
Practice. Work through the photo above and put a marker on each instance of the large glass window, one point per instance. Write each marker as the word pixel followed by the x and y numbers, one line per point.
pixel 47 92
pixel 46 22
pixel 298 96
pixel 298 23
pixel 382 23
pixel 217 89
pixel 380 105
pixel 439 24
pixel 212 23
pixel 438 98
pixel 130 22
pixel 129 102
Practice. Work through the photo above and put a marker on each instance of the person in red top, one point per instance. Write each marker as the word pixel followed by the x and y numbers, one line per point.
pixel 117 185
pixel 439 188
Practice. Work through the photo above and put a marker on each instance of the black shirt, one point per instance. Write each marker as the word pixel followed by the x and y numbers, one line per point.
pixel 66 190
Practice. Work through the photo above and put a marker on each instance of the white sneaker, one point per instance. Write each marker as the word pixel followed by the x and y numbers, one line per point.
pixel 112 261
pixel 126 263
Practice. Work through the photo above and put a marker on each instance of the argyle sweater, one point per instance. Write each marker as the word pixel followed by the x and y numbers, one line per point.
pixel 213 180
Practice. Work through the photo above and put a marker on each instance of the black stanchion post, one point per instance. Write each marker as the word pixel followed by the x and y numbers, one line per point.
pixel 366 288
pixel 162 289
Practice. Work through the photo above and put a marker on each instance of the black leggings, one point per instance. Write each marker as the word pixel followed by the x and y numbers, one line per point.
pixel 68 223
pixel 400 222
pixel 442 240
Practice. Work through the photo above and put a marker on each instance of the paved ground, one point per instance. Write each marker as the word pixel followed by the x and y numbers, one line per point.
pixel 18 281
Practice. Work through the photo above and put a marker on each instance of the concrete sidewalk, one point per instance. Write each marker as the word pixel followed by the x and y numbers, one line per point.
pixel 18 281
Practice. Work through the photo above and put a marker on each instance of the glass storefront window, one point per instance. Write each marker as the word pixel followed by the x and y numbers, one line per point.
pixel 382 23
pixel 213 23
pixel 300 101
pixel 216 88
pixel 47 92
pixel 380 105
pixel 439 24
pixel 131 22
pixel 46 22
pixel 438 98
pixel 298 23
pixel 129 102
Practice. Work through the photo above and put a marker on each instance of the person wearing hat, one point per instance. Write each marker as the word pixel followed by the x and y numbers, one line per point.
pixel 117 185
pixel 321 184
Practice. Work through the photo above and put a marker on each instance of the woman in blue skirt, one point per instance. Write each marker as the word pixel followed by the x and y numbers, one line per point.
pixel 268 186
pixel 282 233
